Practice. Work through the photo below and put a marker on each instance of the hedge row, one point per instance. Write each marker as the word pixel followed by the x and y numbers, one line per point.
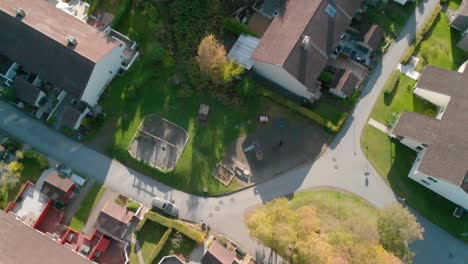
pixel 41 160
pixel 189 232
pixel 391 82
pixel 159 246
pixel 420 35
pixel 334 128
pixel 235 26
pixel 123 8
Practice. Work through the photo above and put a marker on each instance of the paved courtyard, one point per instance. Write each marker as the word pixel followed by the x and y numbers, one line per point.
pixel 276 147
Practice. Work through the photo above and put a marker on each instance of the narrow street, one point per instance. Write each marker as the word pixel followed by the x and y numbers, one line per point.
pixel 343 166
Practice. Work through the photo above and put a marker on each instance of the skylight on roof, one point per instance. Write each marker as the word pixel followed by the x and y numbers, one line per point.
pixel 330 10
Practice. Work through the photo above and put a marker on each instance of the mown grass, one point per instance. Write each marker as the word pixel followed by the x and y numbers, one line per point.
pixel 393 161
pixel 439 47
pixel 148 237
pixel 90 201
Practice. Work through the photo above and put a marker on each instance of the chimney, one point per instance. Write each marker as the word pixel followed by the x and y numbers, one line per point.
pixel 20 12
pixel 305 42
pixel 71 41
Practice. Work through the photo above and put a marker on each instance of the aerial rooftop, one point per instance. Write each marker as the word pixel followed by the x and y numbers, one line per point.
pixel 446 138
pixel 22 244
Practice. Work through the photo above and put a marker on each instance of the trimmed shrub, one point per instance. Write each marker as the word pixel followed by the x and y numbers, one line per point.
pixel 159 246
pixel 43 162
pixel 329 126
pixel 132 206
pixel 124 5
pixel 189 232
pixel 391 83
pixel 235 26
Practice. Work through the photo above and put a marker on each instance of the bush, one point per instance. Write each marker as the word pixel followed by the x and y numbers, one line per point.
pixel 123 9
pixel 11 145
pixel 391 83
pixel 159 246
pixel 235 26
pixel 326 77
pixel 41 160
pixel 420 35
pixel 132 206
pixel 192 21
pixel 189 232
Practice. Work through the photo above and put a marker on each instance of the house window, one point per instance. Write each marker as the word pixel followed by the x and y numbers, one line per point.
pixel 432 179
pixel 425 182
pixel 419 148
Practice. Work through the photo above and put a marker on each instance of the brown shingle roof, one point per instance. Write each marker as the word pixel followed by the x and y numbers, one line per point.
pixel 281 43
pixel 346 82
pixel 61 183
pixel 22 244
pixel 217 254
pixel 259 23
pixel 25 91
pixel 38 43
pixel 446 156
pixel 113 220
pixel 374 36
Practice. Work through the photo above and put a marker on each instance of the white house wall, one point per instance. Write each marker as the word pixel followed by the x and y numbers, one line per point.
pixel 281 77
pixel 410 143
pixel 441 100
pixel 102 74
pixel 448 190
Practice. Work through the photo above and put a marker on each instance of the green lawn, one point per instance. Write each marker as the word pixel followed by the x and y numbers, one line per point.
pixel 149 236
pixel 92 198
pixel 440 46
pixel 334 206
pixel 147 90
pixel 393 161
pixel 185 248
pixel 402 98
pixel 31 172
pixel 328 111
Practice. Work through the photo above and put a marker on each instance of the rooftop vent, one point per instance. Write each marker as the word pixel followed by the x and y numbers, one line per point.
pixel 305 42
pixel 20 12
pixel 71 41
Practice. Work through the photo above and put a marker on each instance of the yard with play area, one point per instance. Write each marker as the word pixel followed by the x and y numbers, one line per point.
pixel 393 160
pixel 165 83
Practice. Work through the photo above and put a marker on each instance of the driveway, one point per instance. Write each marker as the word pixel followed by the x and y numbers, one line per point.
pixel 343 166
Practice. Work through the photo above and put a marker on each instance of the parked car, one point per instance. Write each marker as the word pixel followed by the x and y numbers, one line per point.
pixel 165 207
pixel 63 170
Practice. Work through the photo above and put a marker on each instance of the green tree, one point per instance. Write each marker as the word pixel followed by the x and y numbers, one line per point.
pixel 397 228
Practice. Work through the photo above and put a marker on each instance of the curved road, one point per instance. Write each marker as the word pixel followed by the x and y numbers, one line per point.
pixel 343 166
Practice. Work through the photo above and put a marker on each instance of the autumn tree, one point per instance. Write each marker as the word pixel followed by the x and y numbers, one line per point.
pixel 398 228
pixel 213 62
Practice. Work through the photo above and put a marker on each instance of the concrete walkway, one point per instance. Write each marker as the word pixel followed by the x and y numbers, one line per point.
pixel 379 126
pixel 344 167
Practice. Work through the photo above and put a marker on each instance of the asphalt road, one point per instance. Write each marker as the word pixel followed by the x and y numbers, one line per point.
pixel 343 166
